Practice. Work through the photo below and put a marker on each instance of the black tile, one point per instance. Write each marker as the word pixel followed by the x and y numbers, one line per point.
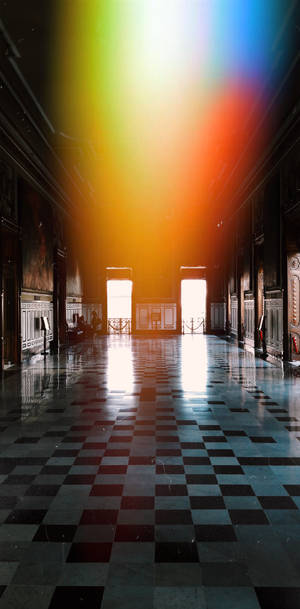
pixel 89 552
pixel 42 490
pixel 220 452
pixel 128 532
pixel 186 422
pixel 55 533
pixel 170 517
pixel 26 516
pixel 228 469
pixel 201 479
pixel 254 460
pixel 196 461
pixel 277 503
pixel 278 598
pixel 234 432
pixel 169 490
pixel 293 489
pixel 192 445
pixel 77 597
pixel 176 552
pixel 208 439
pixel 238 409
pixel 248 517
pixel 262 439
pixel 209 427
pixel 72 452
pixel 215 532
pixel 80 479
pixel 137 503
pixel 207 503
pixel 236 490
pixel 99 517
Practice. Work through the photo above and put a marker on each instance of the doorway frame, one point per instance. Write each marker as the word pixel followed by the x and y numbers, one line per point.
pixel 119 273
pixel 191 272
pixel 10 257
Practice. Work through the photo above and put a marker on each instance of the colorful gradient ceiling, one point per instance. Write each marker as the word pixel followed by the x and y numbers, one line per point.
pixel 171 95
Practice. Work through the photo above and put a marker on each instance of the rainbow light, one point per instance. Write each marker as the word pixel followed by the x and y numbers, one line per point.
pixel 162 89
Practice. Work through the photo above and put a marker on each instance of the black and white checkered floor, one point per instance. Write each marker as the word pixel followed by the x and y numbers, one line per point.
pixel 150 473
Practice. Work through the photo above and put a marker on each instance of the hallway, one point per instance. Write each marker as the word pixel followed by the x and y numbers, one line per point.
pixel 153 472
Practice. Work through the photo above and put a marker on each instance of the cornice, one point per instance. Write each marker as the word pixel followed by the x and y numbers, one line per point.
pixel 27 133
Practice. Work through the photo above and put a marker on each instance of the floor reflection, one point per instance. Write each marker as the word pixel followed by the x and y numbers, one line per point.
pixel 130 465
pixel 193 371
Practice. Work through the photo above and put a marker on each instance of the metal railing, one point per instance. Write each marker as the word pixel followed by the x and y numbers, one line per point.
pixel 119 325
pixel 194 325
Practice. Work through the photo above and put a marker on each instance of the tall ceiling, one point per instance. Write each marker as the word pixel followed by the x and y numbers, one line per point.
pixel 159 152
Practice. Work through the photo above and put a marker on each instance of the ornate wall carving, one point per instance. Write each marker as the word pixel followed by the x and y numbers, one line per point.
pixel 31 313
pixel 217 315
pixel 234 315
pixel 274 324
pixel 249 319
pixel 37 250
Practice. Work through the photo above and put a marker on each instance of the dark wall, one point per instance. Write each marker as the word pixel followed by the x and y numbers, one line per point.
pixel 36 220
pixel 272 250
pixel 74 271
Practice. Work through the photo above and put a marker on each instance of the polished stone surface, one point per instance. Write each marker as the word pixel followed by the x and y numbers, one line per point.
pixel 150 472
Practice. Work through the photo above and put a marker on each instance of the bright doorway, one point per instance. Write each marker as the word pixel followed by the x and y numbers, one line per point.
pixel 193 306
pixel 119 306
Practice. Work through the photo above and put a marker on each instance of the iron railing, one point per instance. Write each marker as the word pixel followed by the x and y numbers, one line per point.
pixel 194 325
pixel 119 325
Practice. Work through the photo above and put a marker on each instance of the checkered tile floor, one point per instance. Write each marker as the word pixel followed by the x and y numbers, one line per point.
pixel 150 473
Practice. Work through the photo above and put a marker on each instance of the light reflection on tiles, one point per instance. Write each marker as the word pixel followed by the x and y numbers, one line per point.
pixel 153 468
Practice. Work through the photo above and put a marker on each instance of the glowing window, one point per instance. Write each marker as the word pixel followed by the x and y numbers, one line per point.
pixel 119 292
pixel 193 298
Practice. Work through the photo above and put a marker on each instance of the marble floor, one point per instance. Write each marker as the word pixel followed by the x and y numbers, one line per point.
pixel 153 473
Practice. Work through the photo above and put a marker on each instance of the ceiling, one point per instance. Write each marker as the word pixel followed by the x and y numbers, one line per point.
pixel 179 226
